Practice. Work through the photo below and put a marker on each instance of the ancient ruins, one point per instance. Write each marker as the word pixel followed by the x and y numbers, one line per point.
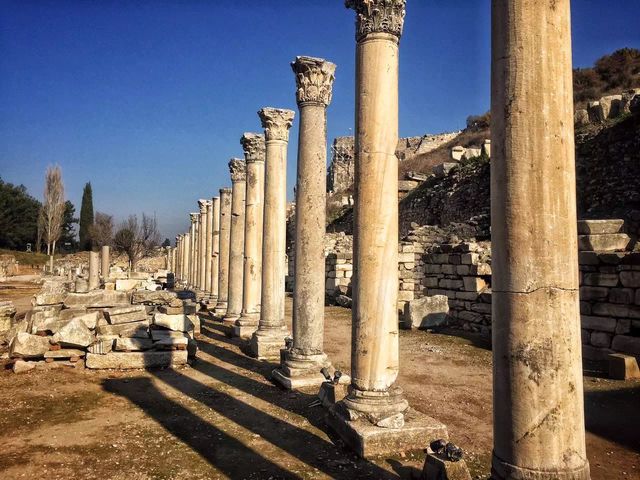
pixel 547 288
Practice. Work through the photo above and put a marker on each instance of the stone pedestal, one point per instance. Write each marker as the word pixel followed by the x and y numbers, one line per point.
pixel 94 270
pixel 254 152
pixel 301 366
pixel 537 367
pixel 238 171
pixel 223 259
pixel 215 250
pixel 374 418
pixel 268 340
pixel 105 261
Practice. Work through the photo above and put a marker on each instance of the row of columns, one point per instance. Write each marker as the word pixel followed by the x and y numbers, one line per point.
pixel 538 405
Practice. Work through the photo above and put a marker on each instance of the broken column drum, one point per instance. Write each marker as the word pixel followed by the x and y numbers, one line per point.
pixel 268 340
pixel 253 145
pixel 539 430
pixel 105 261
pixel 238 172
pixel 94 270
pixel 374 417
pixel 215 249
pixel 302 365
pixel 223 258
pixel 202 246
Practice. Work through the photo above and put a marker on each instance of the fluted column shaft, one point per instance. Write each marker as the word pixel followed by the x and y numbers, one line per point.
pixel 236 248
pixel 202 249
pixel 225 239
pixel 215 247
pixel 267 341
pixel 538 410
pixel 253 145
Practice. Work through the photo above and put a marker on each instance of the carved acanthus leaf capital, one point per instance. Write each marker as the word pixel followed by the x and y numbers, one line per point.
pixel 276 123
pixel 194 217
pixel 314 80
pixel 238 170
pixel 202 203
pixel 378 16
pixel 253 146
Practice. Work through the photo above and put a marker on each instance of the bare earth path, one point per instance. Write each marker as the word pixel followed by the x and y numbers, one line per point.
pixel 222 418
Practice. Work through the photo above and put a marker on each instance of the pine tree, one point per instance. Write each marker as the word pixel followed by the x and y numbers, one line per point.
pixel 86 217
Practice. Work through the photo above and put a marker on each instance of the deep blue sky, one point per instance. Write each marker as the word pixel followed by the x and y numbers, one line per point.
pixel 148 99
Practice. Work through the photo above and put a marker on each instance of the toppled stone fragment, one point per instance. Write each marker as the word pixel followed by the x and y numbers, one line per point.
pixel 97 299
pixel 427 312
pixel 102 346
pixel 133 360
pixel 64 353
pixel 26 345
pixel 52 292
pixel 133 344
pixel 177 323
pixel 130 330
pixel 20 366
pixel 161 297
pixel 74 334
pixel 132 313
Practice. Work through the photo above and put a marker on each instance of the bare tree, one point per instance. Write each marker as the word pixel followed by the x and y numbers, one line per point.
pixel 137 240
pixel 51 216
pixel 101 232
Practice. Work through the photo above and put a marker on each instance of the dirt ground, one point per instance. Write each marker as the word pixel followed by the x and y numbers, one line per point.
pixel 222 418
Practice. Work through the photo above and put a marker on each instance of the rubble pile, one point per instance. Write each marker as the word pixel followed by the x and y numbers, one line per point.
pixel 122 326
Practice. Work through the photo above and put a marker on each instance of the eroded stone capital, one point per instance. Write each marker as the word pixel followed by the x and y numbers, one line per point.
pixel 194 217
pixel 202 203
pixel 314 80
pixel 238 170
pixel 253 146
pixel 225 191
pixel 378 16
pixel 276 123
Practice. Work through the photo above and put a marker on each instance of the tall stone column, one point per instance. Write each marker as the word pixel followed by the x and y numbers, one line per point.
pixel 208 249
pixel 539 430
pixel 179 257
pixel 302 364
pixel 253 146
pixel 268 340
pixel 105 261
pixel 94 270
pixel 225 239
pixel 187 256
pixel 202 246
pixel 374 418
pixel 192 250
pixel 215 249
pixel 238 171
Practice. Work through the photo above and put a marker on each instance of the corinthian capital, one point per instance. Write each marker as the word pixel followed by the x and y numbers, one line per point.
pixel 238 170
pixel 314 80
pixel 253 146
pixel 194 217
pixel 203 205
pixel 276 123
pixel 378 16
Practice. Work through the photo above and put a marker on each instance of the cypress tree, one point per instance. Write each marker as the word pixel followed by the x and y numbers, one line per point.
pixel 86 217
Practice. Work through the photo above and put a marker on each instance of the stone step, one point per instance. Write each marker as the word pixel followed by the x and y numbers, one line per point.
pixel 599 227
pixel 613 242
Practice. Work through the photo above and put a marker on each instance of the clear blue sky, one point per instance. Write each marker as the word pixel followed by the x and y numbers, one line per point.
pixel 147 99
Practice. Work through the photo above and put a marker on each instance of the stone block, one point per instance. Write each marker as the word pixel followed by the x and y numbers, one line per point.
pixel 430 282
pixel 468 296
pixel 129 330
pixel 159 297
pixel 588 293
pixel 474 284
pixel 448 269
pixel 136 360
pixel 158 335
pixel 437 468
pixel 427 312
pixel 64 353
pixel 623 367
pixel 126 284
pixel 604 243
pixel 588 258
pixel 128 314
pixel 597 279
pixel 405 296
pixel 462 270
pixel 469 258
pixel 626 344
pixel 133 344
pixel 20 366
pixel 74 334
pixel 581 117
pixel 406 257
pixel 595 112
pixel 443 169
pixel 25 345
pixel 101 347
pixel 630 279
pixel 481 308
pixel 615 310
pixel 610 106
pixel 451 284
pixel 600 339
pixel 594 353
pixel 623 296
pixel 177 323
pixel 96 299
pixel 601 324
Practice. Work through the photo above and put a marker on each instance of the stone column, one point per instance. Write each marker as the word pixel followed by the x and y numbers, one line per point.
pixel 202 247
pixel 374 418
pixel 94 270
pixel 253 146
pixel 215 249
pixel 302 364
pixel 105 261
pixel 238 171
pixel 196 256
pixel 208 249
pixel 268 340
pixel 167 258
pixel 192 250
pixel 225 238
pixel 187 256
pixel 178 257
pixel 539 430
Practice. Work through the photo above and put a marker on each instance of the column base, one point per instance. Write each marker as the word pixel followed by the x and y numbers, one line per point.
pixel 300 371
pixel 246 325
pixel 369 440
pixel 266 344
pixel 220 309
pixel 230 320
pixel 501 470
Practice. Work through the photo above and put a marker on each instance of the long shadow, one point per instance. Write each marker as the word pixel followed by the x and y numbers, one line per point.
pixel 217 332
pixel 297 442
pixel 476 339
pixel 615 415
pixel 218 448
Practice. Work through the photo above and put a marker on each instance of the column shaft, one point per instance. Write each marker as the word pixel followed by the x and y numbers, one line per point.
pixel 538 392
pixel 208 248
pixel 105 261
pixel 236 248
pixel 202 246
pixel 94 270
pixel 225 239
pixel 215 246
